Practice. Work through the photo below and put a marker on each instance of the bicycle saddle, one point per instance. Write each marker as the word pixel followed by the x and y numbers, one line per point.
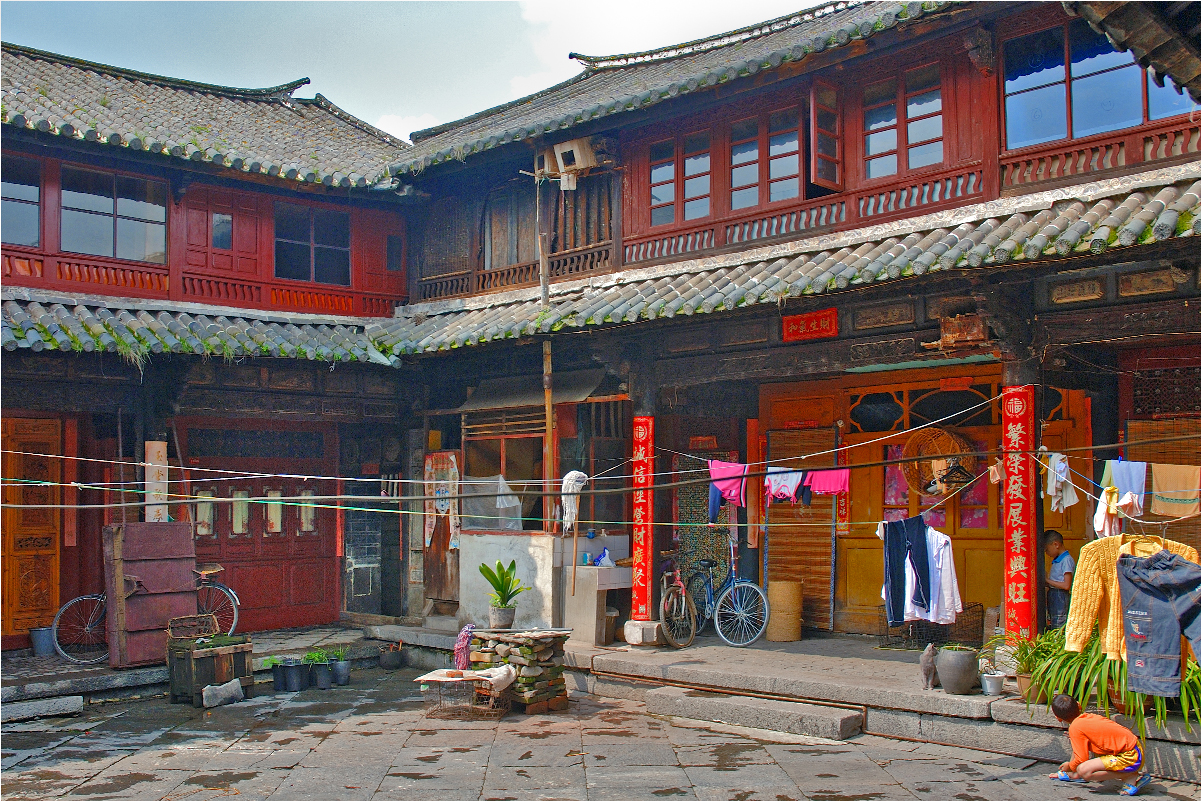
pixel 706 563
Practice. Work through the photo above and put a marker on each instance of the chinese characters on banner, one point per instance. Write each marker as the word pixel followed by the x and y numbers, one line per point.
pixel 812 325
pixel 156 482
pixel 1021 493
pixel 842 503
pixel 644 515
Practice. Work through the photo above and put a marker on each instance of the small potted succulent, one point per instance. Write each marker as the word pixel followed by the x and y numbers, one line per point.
pixel 319 670
pixel 278 683
pixel 958 668
pixel 506 587
pixel 340 665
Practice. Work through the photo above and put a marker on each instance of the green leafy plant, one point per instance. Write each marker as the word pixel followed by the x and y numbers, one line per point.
pixel 317 656
pixel 271 661
pixel 1026 654
pixel 956 646
pixel 338 654
pixel 505 584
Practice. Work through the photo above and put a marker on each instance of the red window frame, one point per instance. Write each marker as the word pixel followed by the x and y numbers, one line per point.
pixel 685 183
pixel 765 159
pixel 902 123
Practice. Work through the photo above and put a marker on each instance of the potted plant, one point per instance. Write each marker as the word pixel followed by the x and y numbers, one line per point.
pixel 506 587
pixel 319 670
pixel 278 683
pixel 958 667
pixel 389 656
pixel 1026 655
pixel 340 665
pixel 296 674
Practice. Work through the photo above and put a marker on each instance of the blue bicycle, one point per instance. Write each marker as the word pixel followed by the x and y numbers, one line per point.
pixel 740 611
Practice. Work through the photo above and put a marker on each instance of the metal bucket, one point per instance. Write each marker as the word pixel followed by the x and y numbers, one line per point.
pixel 43 641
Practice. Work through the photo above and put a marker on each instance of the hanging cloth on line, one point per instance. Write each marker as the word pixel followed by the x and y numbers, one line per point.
pixel 1059 485
pixel 829 482
pixel 1175 490
pixel 1126 476
pixel 1107 522
pixel 728 483
pixel 783 483
pixel 905 543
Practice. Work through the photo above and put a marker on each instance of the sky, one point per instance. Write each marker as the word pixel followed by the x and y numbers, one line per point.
pixel 400 66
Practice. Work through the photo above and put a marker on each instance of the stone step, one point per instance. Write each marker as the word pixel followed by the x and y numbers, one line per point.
pixel 41 708
pixel 793 717
pixel 441 623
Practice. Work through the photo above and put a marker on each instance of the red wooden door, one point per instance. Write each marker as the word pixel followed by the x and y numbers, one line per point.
pixel 280 556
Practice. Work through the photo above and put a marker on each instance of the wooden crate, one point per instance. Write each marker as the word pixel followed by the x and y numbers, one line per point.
pixel 193 666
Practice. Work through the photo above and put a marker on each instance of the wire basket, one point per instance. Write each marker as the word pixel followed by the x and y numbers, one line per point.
pixel 463 700
pixel 915 635
pixel 929 444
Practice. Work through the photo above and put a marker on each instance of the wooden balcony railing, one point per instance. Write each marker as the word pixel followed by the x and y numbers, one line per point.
pixel 1064 161
pixel 832 213
pixel 100 276
pixel 568 264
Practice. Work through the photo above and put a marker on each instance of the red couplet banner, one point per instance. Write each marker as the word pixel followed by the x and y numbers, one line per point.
pixel 1021 493
pixel 644 516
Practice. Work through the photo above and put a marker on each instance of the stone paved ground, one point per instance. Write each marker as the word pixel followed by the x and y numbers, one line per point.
pixel 371 741
pixel 24 667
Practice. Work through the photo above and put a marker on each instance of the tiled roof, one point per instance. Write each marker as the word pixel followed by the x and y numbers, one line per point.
pixel 41 320
pixel 249 130
pixel 615 84
pixel 1163 36
pixel 1117 214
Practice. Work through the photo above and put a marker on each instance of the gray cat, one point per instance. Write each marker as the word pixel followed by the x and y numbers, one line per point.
pixel 929 674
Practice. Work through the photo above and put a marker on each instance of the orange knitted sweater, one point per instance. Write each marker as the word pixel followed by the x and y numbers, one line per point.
pixel 1095 594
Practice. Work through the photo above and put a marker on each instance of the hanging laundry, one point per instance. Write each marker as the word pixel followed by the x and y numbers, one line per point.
pixel 905 543
pixel 1158 605
pixel 728 482
pixel 1126 476
pixel 1059 483
pixel 945 602
pixel 1107 521
pixel 996 472
pixel 573 482
pixel 829 482
pixel 782 483
pixel 1096 598
pixel 1175 490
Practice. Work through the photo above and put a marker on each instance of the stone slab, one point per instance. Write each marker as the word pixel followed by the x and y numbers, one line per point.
pixel 791 679
pixel 85 684
pixel 409 635
pixel 643 632
pixel 41 708
pixel 830 723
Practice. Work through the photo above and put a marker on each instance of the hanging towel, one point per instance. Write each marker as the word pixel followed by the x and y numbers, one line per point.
pixel 783 483
pixel 730 480
pixel 996 472
pixel 1175 490
pixel 1059 484
pixel 829 482
pixel 1105 521
pixel 1126 476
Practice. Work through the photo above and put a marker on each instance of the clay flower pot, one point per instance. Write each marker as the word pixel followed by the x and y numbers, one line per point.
pixel 957 670
pixel 501 617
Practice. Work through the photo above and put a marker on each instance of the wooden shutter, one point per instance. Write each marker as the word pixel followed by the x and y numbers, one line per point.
pixel 1185 451
pixel 800 539
pixel 825 136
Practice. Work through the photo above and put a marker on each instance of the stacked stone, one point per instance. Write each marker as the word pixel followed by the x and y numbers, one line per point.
pixel 536 655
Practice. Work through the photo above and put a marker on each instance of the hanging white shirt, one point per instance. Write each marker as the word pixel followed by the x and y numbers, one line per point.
pixel 945 602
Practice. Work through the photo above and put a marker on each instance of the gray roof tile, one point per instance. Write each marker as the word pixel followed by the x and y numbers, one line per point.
pixel 247 130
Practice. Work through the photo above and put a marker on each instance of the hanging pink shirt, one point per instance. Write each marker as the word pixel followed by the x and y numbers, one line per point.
pixel 730 479
pixel 829 482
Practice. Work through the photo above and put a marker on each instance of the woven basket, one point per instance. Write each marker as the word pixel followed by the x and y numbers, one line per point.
pixel 930 444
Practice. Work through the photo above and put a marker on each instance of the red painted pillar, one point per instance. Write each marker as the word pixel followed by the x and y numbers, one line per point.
pixel 643 546
pixel 1021 494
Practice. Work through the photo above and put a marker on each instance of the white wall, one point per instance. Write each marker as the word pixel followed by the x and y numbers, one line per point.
pixel 537 565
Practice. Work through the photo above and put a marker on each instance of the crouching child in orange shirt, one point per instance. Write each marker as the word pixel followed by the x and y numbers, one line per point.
pixel 1119 754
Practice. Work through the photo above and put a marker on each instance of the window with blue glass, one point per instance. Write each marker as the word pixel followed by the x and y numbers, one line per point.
pixel 1069 82
pixel 690 192
pixel 902 123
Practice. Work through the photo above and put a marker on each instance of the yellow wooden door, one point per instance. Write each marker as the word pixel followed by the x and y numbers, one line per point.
pixel 31 536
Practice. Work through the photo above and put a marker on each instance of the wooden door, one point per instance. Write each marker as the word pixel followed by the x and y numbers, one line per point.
pixel 31 535
pixel 441 553
pixel 800 539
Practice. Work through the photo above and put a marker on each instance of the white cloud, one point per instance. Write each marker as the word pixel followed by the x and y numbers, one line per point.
pixel 625 26
pixel 403 125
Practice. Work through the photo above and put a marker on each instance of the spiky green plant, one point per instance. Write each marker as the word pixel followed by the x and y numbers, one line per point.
pixel 505 584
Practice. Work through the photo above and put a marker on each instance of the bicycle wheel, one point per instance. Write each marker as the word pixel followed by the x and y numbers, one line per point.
pixel 80 633
pixel 741 616
pixel 699 593
pixel 677 614
pixel 218 600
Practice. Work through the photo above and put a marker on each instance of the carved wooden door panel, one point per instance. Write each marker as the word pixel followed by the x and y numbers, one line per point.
pixel 31 535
